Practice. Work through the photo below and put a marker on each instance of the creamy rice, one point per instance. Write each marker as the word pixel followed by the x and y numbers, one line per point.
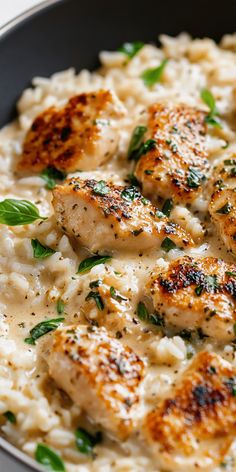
pixel 30 289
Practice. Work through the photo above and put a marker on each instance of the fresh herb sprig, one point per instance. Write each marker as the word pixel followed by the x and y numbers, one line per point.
pixel 153 75
pixel 87 264
pixel 131 49
pixel 40 251
pixel 86 441
pixel 50 175
pixel 18 212
pixel 45 456
pixel 208 99
pixel 43 328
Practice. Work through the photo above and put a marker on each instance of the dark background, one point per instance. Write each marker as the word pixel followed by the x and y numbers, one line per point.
pixel 72 32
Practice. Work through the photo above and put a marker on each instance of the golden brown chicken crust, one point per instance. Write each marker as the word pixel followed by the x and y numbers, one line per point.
pixel 197 293
pixel 62 138
pixel 177 166
pixel 114 374
pixel 129 215
pixel 201 407
pixel 222 206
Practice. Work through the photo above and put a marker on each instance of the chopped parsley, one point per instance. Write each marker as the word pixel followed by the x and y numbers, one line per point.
pixel 225 209
pixel 167 206
pixel 100 188
pixel 10 416
pixel 167 244
pixel 45 456
pixel 116 295
pixel 60 307
pixel 130 193
pixel 153 318
pixel 136 141
pixel 85 441
pixel 194 178
pixel 97 298
pixel 43 328
pixel 50 175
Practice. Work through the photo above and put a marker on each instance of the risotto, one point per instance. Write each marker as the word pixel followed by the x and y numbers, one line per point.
pixel 117 269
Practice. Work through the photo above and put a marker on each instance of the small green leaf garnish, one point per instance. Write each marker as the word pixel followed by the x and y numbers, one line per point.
pixel 116 295
pixel 60 307
pixel 209 100
pixel 148 172
pixel 45 456
pixel 97 298
pixel 225 210
pixel 18 212
pixel 194 178
pixel 209 284
pixel 40 251
pixel 167 206
pixel 85 441
pixel 159 214
pixel 167 244
pixel 231 274
pixel 133 180
pixel 130 193
pixel 153 318
pixel 131 49
pixel 153 75
pixel 10 416
pixel 229 162
pixel 145 201
pixel 142 311
pixel 87 264
pixel 95 283
pixel 198 290
pixel 100 188
pixel 43 328
pixel 136 141
pixel 50 175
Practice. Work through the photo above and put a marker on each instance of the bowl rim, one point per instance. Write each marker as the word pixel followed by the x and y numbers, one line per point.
pixel 6 447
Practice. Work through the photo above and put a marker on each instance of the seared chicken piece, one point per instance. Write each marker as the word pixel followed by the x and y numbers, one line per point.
pixel 193 428
pixel 222 206
pixel 177 164
pixel 197 294
pixel 80 136
pixel 109 217
pixel 101 375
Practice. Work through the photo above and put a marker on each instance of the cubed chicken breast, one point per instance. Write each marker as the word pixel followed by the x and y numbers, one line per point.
pixel 194 294
pixel 100 375
pixel 176 165
pixel 222 207
pixel 82 135
pixel 193 428
pixel 107 217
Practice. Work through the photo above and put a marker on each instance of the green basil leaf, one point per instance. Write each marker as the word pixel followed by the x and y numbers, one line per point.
pixel 85 441
pixel 40 251
pixel 87 264
pixel 18 212
pixel 43 328
pixel 10 416
pixel 209 100
pixel 142 311
pixel 167 244
pixel 116 295
pixel 153 75
pixel 194 177
pixel 167 207
pixel 130 194
pixel 95 283
pixel 231 274
pixel 97 298
pixel 100 188
pixel 60 307
pixel 131 49
pixel 50 175
pixel 45 456
pixel 225 210
pixel 136 141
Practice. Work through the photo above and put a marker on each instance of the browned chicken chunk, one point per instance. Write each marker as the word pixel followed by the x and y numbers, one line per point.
pixel 197 294
pixel 193 428
pixel 100 374
pixel 104 216
pixel 79 136
pixel 177 164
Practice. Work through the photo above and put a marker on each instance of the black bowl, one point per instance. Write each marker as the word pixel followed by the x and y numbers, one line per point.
pixel 60 34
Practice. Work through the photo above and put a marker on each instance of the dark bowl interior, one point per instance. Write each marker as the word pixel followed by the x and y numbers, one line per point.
pixel 72 32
